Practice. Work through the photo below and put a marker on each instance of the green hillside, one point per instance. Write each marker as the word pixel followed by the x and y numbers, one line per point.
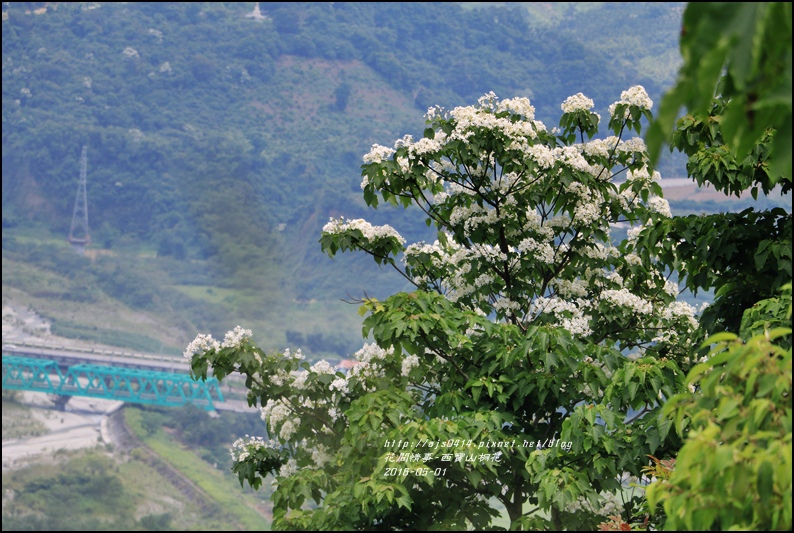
pixel 220 143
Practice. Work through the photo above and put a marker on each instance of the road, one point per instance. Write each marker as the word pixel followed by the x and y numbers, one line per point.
pixel 82 425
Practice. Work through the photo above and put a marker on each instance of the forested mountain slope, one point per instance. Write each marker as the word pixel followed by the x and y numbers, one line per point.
pixel 222 141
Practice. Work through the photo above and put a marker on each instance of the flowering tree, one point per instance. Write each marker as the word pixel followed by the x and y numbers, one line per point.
pixel 525 372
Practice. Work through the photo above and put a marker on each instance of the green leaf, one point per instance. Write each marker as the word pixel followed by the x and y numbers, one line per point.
pixel 765 483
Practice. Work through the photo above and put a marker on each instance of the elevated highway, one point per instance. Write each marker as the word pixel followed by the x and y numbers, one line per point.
pixel 69 356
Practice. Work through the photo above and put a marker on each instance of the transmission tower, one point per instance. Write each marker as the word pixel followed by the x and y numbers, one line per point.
pixel 78 234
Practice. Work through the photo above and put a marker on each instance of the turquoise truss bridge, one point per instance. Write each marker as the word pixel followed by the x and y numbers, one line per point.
pixel 110 383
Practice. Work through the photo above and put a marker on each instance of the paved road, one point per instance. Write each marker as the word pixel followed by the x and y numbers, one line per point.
pixel 82 425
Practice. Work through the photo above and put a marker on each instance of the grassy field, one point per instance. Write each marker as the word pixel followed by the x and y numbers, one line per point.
pixel 246 508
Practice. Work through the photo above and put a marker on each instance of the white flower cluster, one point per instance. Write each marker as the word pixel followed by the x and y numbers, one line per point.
pixel 275 411
pixel 471 217
pixel 289 468
pixel 370 358
pixel 660 205
pixel 299 382
pixel 577 102
pixel 297 356
pixel 488 100
pixel 320 455
pixel 202 343
pixel 234 338
pixel 571 315
pixel 378 154
pixel 588 212
pixel 542 155
pixel 422 248
pixel 633 145
pixel 426 146
pixel 680 309
pixel 568 288
pixel 517 106
pixel 407 140
pixel 601 252
pixel 601 147
pixel 322 367
pixel 572 156
pixel 635 96
pixel 542 252
pixel 433 112
pixel 671 288
pixel 633 259
pixel 577 325
pixel 615 278
pixel 370 353
pixel 409 362
pixel 506 305
pixel 612 505
pixel 624 298
pixel 339 384
pixel 642 174
pixel 369 231
pixel 243 447
pixel 470 118
pixel 289 427
pixel 588 204
pixel 633 233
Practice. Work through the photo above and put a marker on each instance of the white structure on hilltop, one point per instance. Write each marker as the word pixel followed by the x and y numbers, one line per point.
pixel 256 14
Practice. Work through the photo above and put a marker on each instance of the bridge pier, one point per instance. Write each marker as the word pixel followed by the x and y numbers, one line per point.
pixel 59 400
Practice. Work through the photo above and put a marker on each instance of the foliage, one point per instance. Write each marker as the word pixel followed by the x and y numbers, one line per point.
pixel 745 257
pixel 734 470
pixel 87 493
pixel 737 137
pixel 157 522
pixel 528 327
pixel 751 43
pixel 767 315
